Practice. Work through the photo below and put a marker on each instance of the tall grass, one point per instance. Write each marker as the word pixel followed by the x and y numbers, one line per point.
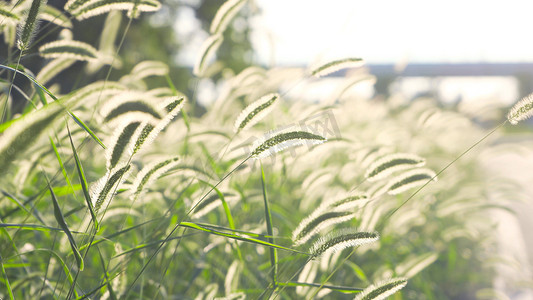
pixel 130 196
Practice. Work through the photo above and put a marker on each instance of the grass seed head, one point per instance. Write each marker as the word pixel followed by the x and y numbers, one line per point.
pixel 522 110
pixel 382 290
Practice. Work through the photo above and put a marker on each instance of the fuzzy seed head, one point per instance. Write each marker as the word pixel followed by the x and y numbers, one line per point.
pixel 254 112
pixel 522 110
pixel 342 239
pixel 409 180
pixel 69 49
pixel 225 14
pixel 283 141
pixel 208 49
pixel 336 65
pixel 93 8
pixel 391 163
pixel 382 290
pixel 312 225
pixel 150 173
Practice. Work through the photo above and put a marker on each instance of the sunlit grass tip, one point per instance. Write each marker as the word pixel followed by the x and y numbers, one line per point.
pixel 148 131
pixel 342 239
pixel 131 101
pixel 94 91
pixel 266 146
pixel 254 112
pixel 29 27
pixel 522 110
pixel 414 265
pixel 120 144
pixel 69 49
pixel 314 224
pixel 7 16
pixel 409 180
pixel 54 15
pixel 93 8
pixel 336 65
pixel 101 191
pixel 51 69
pixel 149 68
pixel 210 203
pixel 348 201
pixel 388 164
pixel 382 290
pixel 225 14
pixel 150 173
pixel 207 50
pixel 25 131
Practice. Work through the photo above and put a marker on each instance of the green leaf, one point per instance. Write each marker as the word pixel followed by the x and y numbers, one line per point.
pixel 61 221
pixel 84 185
pixel 268 217
pixel 35 227
pixel 61 261
pixel 60 161
pixel 342 289
pixel 175 92
pixel 86 128
pixel 6 280
pixel 238 237
pixel 40 86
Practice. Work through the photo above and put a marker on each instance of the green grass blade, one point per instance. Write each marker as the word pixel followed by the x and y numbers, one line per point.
pixel 111 236
pixel 11 242
pixel 86 128
pixel 40 86
pixel 84 185
pixel 35 227
pixel 342 289
pixel 60 161
pixel 8 286
pixel 231 223
pixel 30 78
pixel 238 237
pixel 175 92
pixel 40 93
pixel 228 216
pixel 96 289
pixel 61 261
pixel 268 217
pixel 112 294
pixel 61 221
pixel 34 212
pixel 147 245
pixel 15 200
pixel 248 233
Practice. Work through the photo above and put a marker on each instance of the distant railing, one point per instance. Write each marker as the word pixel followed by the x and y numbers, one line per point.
pixel 442 69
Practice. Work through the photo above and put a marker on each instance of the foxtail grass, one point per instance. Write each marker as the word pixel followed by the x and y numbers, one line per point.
pixel 27 31
pixel 522 110
pixel 266 147
pixel 409 180
pixel 382 290
pixel 207 50
pixel 93 8
pixel 24 132
pixel 340 240
pixel 69 49
pixel 389 164
pixel 336 65
pixel 225 14
pixel 254 112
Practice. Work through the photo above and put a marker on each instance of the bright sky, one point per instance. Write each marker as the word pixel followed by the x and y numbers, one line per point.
pixel 296 32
